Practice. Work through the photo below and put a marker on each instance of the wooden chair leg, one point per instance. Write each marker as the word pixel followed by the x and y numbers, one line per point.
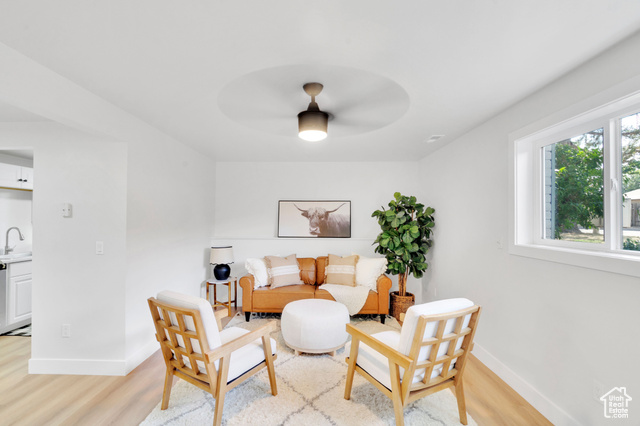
pixel 462 406
pixel 350 372
pixel 396 396
pixel 168 382
pixel 353 357
pixel 268 357
pixel 221 389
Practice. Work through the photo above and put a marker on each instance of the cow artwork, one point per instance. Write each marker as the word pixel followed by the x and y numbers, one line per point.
pixel 321 219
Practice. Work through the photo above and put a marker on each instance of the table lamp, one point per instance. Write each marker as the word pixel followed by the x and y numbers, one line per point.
pixel 221 257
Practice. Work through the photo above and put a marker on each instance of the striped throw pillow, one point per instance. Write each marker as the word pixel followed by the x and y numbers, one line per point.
pixel 341 270
pixel 283 271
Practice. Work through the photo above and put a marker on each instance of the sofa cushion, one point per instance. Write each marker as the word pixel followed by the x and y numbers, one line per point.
pixel 321 268
pixel 342 270
pixel 257 268
pixel 368 270
pixel 307 267
pixel 273 300
pixel 283 271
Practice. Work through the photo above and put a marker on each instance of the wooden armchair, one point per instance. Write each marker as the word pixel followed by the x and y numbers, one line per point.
pixel 195 348
pixel 428 355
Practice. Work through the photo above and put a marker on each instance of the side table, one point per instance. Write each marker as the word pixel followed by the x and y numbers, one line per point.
pixel 231 280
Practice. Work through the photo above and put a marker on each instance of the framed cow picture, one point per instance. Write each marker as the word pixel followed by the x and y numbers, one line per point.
pixel 314 219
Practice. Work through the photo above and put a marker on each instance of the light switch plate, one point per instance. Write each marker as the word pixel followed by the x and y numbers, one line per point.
pixel 66 210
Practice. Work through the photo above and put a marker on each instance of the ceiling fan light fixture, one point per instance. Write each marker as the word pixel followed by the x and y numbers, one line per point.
pixel 313 123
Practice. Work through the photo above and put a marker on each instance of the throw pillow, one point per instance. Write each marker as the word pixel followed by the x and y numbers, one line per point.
pixel 341 270
pixel 368 269
pixel 283 271
pixel 257 268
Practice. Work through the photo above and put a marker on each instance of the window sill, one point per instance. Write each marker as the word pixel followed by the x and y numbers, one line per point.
pixel 618 263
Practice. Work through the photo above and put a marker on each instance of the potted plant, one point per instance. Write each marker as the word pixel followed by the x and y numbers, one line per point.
pixel 405 240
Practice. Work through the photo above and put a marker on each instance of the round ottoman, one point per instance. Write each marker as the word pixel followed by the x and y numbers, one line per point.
pixel 314 325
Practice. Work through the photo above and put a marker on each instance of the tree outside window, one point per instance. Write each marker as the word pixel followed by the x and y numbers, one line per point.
pixel 574 186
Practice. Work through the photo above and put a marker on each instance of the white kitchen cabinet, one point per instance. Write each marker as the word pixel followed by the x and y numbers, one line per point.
pixel 19 298
pixel 26 174
pixel 16 286
pixel 16 176
pixel 10 175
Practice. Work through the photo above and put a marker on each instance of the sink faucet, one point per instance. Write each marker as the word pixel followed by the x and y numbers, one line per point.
pixel 8 249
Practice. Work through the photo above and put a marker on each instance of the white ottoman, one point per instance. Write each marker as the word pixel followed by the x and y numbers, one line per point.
pixel 314 325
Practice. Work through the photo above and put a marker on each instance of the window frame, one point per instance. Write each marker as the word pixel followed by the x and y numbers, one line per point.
pixel 527 189
pixel 538 191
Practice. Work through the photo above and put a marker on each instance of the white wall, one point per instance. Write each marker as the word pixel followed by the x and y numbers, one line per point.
pixel 548 329
pixel 151 204
pixel 71 284
pixel 247 196
pixel 147 196
pixel 170 194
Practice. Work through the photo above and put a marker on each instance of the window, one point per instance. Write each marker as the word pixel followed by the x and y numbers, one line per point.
pixel 630 161
pixel 573 179
pixel 576 189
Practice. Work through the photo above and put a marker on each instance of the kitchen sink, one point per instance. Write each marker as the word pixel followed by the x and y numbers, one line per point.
pixel 14 256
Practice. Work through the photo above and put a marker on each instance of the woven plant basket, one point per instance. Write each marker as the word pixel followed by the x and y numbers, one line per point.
pixel 400 304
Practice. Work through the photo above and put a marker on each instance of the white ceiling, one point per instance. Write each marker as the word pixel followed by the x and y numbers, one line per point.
pixel 21 153
pixel 174 63
pixel 12 114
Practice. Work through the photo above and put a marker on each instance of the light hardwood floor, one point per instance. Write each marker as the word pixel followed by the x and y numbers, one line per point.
pixel 99 400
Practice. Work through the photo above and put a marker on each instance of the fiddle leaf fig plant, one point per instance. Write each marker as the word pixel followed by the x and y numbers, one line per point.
pixel 405 238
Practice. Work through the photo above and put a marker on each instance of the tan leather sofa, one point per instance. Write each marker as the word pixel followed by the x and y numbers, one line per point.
pixel 265 299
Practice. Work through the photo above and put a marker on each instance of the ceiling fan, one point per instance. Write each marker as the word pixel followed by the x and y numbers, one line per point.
pixel 313 123
pixel 354 101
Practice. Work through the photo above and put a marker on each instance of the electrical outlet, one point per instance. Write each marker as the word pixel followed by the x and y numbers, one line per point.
pixel 66 330
pixel 598 390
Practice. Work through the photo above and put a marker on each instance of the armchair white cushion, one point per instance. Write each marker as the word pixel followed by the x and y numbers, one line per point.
pixel 206 314
pixel 197 351
pixel 386 358
pixel 246 357
pixel 376 364
pixel 242 359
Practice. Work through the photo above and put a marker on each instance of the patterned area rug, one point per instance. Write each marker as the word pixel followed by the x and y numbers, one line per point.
pixel 310 392
pixel 23 332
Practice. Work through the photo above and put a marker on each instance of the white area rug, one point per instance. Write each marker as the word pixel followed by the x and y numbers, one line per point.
pixel 310 392
pixel 22 332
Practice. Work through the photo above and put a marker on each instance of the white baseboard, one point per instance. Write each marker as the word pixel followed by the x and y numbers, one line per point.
pixel 544 405
pixel 92 367
pixel 140 356
pixel 84 367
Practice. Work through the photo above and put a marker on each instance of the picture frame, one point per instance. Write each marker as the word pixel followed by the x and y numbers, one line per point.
pixel 314 219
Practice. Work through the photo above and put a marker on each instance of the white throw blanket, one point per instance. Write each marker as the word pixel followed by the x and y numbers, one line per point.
pixel 352 297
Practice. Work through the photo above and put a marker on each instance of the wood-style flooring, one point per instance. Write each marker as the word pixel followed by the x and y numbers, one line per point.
pixel 102 400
